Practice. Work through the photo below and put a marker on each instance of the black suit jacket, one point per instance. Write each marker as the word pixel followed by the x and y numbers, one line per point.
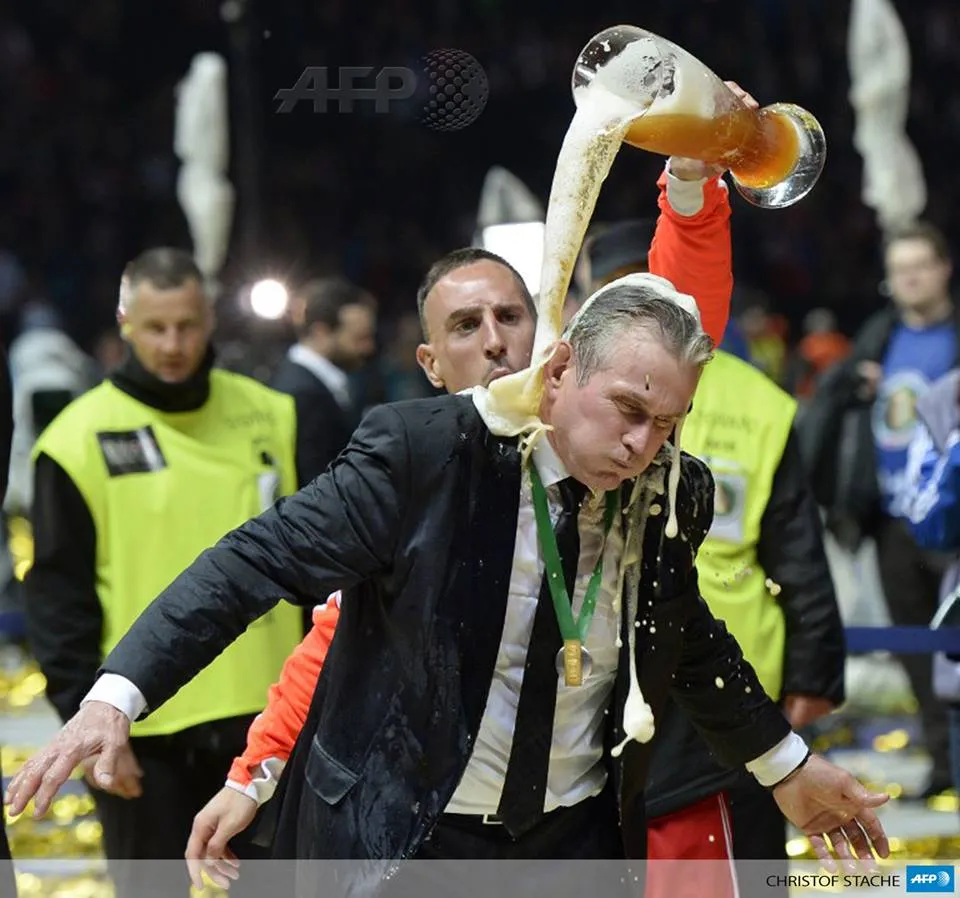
pixel 418 519
pixel 324 427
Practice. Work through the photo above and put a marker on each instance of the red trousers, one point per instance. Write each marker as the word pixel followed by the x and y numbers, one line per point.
pixel 690 852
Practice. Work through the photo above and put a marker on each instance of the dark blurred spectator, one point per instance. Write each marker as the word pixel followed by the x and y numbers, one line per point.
pixel 856 433
pixel 932 500
pixel 401 376
pixel 336 325
pixel 764 336
pixel 822 347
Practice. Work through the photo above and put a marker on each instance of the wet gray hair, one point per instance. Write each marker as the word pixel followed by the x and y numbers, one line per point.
pixel 594 332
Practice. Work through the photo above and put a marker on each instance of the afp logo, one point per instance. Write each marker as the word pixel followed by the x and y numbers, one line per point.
pixel 929 878
pixel 446 91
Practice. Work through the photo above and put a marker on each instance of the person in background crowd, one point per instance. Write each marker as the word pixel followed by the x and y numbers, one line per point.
pixel 336 322
pixel 402 377
pixel 822 347
pixel 132 481
pixel 932 506
pixel 856 432
pixel 765 335
pixel 49 371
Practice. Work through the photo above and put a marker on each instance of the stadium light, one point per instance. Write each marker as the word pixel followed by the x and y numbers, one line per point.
pixel 269 299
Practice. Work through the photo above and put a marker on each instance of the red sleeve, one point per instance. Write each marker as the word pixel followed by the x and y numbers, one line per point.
pixel 693 253
pixel 274 732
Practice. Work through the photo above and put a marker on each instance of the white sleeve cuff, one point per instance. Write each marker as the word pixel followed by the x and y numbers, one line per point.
pixel 685 197
pixel 262 786
pixel 781 760
pixel 119 692
pixel 250 790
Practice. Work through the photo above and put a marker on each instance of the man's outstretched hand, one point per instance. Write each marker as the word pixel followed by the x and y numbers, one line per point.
pixel 97 730
pixel 826 802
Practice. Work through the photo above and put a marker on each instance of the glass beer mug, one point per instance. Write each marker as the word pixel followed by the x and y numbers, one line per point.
pixel 775 154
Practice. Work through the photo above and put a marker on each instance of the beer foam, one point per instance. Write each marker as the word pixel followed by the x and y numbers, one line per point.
pixel 589 147
pixel 638 722
pixel 672 527
pixel 633 76
pixel 511 404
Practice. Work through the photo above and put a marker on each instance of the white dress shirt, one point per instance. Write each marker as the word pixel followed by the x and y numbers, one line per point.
pixel 575 771
pixel 335 380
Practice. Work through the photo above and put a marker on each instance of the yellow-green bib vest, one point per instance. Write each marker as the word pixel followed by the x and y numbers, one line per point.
pixel 739 426
pixel 161 488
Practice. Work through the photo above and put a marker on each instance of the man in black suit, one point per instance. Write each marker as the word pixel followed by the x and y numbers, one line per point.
pixel 432 519
pixel 336 324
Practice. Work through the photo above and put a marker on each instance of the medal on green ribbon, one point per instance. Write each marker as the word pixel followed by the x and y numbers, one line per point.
pixel 573 660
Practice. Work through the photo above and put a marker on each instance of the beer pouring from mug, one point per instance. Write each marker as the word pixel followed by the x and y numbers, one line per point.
pixel 775 154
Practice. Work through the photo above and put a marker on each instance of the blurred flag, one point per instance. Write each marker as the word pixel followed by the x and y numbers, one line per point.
pixel 202 143
pixel 879 59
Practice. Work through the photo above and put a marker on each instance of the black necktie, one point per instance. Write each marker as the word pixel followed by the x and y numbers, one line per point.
pixel 524 789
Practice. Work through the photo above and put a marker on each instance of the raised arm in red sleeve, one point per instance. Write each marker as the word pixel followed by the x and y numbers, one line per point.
pixel 693 251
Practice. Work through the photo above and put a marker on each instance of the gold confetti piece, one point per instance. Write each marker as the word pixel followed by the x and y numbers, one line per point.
pixel 948 802
pixel 896 740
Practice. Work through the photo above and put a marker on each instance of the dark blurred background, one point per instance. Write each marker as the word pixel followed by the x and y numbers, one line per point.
pixel 87 169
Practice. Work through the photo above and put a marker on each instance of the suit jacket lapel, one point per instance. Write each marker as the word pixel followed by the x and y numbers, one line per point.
pixel 475 602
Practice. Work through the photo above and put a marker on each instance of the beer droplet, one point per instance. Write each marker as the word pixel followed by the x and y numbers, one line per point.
pixel 646 381
pixel 719 682
pixel 773 587
pixel 655 509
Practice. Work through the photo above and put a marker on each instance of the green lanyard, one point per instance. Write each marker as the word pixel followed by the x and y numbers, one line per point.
pixel 574 632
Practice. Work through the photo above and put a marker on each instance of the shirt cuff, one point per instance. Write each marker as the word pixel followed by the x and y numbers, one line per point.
pixel 780 761
pixel 685 197
pixel 119 692
pixel 262 786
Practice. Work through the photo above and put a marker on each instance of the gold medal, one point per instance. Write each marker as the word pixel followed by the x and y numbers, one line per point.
pixel 573 662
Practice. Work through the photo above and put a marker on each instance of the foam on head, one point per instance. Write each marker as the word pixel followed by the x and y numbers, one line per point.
pixel 663 288
pixel 511 405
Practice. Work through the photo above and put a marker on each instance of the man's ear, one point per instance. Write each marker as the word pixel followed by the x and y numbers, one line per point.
pixel 428 362
pixel 123 324
pixel 559 360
